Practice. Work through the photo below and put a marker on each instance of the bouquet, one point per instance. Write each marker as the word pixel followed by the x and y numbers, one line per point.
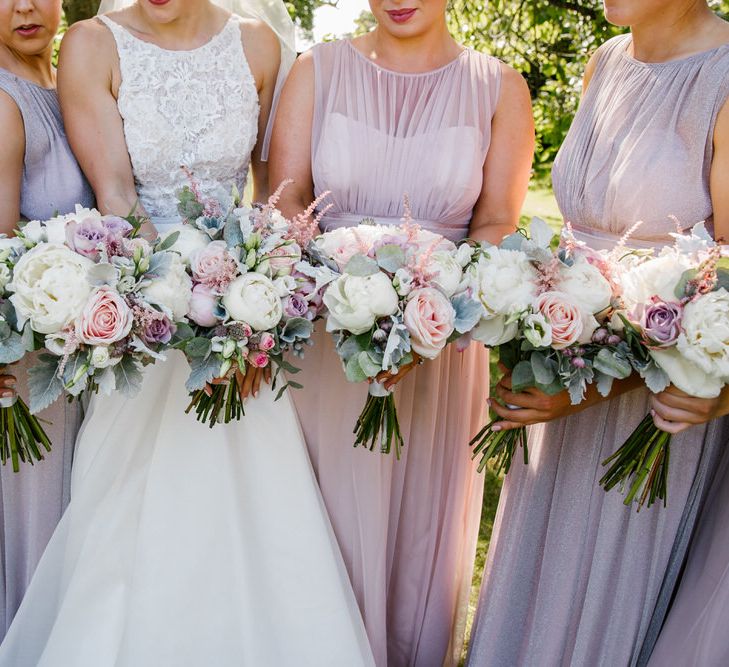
pixel 21 435
pixel 675 314
pixel 101 299
pixel 546 302
pixel 390 292
pixel 250 305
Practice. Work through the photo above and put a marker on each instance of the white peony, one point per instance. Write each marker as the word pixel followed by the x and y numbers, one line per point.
pixel 586 285
pixel 446 271
pixel 506 282
pixel 5 277
pixel 253 298
pixel 190 239
pixel 356 302
pixel 34 231
pixel 344 243
pixel 705 337
pixel 50 287
pixel 657 276
pixel 172 291
pixel 686 375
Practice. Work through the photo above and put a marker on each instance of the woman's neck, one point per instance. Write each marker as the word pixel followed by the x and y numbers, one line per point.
pixel 200 21
pixel 421 53
pixel 678 33
pixel 37 68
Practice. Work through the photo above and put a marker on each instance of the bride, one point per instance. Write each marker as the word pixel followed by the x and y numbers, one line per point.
pixel 182 545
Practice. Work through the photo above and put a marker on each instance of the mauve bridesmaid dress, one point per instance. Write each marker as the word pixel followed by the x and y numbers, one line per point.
pixel 32 501
pixel 573 576
pixel 407 528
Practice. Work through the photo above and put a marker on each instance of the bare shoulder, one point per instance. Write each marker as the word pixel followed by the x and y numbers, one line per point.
pixel 514 87
pixel 89 36
pixel 260 36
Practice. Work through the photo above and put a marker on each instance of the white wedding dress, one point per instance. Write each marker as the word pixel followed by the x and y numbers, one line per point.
pixel 186 546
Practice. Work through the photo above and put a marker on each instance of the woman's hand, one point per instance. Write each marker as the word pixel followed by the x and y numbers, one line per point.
pixel 389 380
pixel 532 406
pixel 7 386
pixel 674 410
pixel 248 384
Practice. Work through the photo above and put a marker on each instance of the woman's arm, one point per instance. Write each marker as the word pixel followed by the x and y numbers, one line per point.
pixel 508 164
pixel 87 90
pixel 263 53
pixel 291 143
pixel 12 154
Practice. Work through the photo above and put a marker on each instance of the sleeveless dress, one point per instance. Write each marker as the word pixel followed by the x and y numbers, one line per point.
pixel 574 577
pixel 407 528
pixel 185 545
pixel 32 501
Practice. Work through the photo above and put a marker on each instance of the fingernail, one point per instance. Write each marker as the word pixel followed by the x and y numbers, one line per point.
pixel 653 413
pixel 496 429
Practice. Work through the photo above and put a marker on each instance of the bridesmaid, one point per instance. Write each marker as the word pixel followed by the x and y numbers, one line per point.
pixel 40 179
pixel 573 576
pixel 405 109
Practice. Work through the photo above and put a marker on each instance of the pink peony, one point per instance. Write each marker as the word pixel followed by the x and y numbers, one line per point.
pixel 267 342
pixel 258 359
pixel 283 258
pixel 214 266
pixel 569 324
pixel 429 317
pixel 202 306
pixel 105 319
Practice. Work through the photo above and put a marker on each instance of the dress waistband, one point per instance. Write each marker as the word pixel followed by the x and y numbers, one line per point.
pixel 598 239
pixel 452 231
pixel 162 224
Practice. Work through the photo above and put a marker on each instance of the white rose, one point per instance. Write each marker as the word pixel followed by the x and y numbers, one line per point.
pixel 253 298
pixel 446 271
pixel 285 286
pixel 190 239
pixel 506 281
pixel 495 331
pixel 705 337
pixel 657 276
pixel 172 291
pixel 586 285
pixel 100 357
pixel 356 302
pixel 50 287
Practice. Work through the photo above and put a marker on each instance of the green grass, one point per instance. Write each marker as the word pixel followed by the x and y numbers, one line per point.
pixel 539 203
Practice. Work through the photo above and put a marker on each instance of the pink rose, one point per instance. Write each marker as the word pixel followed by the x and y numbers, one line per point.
pixel 429 317
pixel 214 266
pixel 258 359
pixel 105 319
pixel 569 324
pixel 283 258
pixel 202 306
pixel 267 342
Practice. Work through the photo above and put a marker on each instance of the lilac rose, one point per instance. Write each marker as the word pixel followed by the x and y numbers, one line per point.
pixel 661 323
pixel 296 306
pixel 157 328
pixel 86 236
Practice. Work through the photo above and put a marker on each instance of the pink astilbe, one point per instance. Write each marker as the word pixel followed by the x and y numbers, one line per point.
pixel 418 265
pixel 548 275
pixel 70 346
pixel 706 276
pixel 628 235
pixel 305 226
pixel 211 208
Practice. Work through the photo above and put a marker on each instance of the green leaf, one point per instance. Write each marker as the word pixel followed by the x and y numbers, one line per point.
pixel 686 276
pixel 544 372
pixel 12 348
pixel 168 242
pixel 361 266
pixel 369 365
pixel 390 257
pixel 183 333
pixel 615 366
pixel 198 348
pixel 354 371
pixel 522 377
pixel 202 371
pixel 43 382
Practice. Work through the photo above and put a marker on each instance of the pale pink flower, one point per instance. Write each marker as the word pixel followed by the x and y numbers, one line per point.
pixel 105 319
pixel 429 317
pixel 569 324
pixel 202 306
pixel 214 266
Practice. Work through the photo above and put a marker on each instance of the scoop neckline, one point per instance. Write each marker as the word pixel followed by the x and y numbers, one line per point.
pixel 669 63
pixel 207 44
pixel 437 70
pixel 28 82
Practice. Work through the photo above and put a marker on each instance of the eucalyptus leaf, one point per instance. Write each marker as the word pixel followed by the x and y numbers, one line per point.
pixel 232 233
pixel 12 348
pixel 544 372
pixel 202 371
pixel 297 328
pixel 616 366
pixel 354 371
pixel 168 242
pixel 361 266
pixel 656 379
pixel 368 364
pixel 128 376
pixel 198 348
pixel 522 377
pixel 604 384
pixel 468 312
pixel 390 257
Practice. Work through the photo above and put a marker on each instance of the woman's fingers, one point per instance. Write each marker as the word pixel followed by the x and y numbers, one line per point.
pixel 256 383
pixel 7 386
pixel 669 426
pixel 518 417
pixel 267 374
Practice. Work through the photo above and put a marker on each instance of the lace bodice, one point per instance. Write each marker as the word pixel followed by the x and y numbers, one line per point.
pixel 195 110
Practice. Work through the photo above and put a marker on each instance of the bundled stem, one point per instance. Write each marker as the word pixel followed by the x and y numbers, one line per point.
pixel 379 423
pixel 224 398
pixel 499 446
pixel 21 436
pixel 644 457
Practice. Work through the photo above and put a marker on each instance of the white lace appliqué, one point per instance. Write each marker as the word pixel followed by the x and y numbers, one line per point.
pixel 195 110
